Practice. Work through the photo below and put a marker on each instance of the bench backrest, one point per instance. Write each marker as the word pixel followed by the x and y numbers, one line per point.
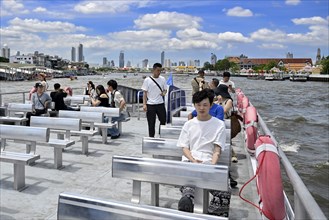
pixel 174 132
pixel 72 124
pixel 167 148
pixel 110 112
pixel 24 133
pixel 76 206
pixel 171 172
pixel 74 100
pixel 87 117
pixel 18 107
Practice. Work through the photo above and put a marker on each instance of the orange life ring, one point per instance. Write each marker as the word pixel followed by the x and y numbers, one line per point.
pixel 250 122
pixel 269 181
pixel 239 101
pixel 244 105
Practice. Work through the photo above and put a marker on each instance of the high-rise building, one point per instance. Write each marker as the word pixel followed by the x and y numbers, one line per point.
pixel 213 59
pixel 5 52
pixel 73 54
pixel 197 63
pixel 162 58
pixel 104 61
pixel 128 64
pixel 121 59
pixel 112 63
pixel 167 63
pixel 318 56
pixel 145 62
pixel 80 53
pixel 290 55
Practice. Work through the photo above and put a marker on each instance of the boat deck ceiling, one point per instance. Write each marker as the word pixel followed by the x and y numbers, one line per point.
pixel 91 175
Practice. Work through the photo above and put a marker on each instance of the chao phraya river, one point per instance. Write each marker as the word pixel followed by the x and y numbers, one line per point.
pixel 297 113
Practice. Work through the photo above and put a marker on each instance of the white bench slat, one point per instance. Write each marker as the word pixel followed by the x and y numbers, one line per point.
pixel 24 133
pixel 76 206
pixel 57 123
pixel 110 112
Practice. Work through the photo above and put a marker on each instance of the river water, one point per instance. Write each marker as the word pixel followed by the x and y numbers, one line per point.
pixel 297 113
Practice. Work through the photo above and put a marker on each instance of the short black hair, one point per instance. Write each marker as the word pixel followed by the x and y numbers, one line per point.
pixel 228 74
pixel 57 86
pixel 157 65
pixel 215 81
pixel 113 83
pixel 203 94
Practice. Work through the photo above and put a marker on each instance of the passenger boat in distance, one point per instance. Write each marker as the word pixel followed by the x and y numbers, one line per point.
pixel 299 77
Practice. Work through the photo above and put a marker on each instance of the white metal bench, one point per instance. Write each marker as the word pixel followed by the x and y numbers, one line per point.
pixel 158 171
pixel 16 113
pixel 180 121
pixel 22 133
pixel 108 112
pixel 91 119
pixel 77 206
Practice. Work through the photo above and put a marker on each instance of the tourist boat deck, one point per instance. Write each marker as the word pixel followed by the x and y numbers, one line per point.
pixel 91 175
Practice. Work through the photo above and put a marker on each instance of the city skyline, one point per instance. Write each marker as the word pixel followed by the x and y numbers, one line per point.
pixel 184 30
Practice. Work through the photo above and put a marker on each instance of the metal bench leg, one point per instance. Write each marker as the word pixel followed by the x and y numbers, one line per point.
pixel 58 158
pixel 3 144
pixel 120 127
pixel 19 176
pixel 104 135
pixel 201 200
pixel 84 140
pixel 154 194
pixel 136 191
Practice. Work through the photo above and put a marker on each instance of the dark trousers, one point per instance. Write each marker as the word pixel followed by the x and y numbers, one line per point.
pixel 153 111
pixel 37 112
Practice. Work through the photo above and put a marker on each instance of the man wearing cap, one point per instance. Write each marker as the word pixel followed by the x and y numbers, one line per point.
pixel 226 81
pixel 198 83
pixel 40 101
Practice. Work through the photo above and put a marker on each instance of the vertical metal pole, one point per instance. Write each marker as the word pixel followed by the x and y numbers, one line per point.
pixel 136 194
pixel 154 194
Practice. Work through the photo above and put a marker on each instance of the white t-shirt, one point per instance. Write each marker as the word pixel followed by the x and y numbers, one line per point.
pixel 117 99
pixel 200 137
pixel 153 91
pixel 228 83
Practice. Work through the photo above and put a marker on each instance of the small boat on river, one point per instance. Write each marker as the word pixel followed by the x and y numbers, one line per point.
pixel 299 77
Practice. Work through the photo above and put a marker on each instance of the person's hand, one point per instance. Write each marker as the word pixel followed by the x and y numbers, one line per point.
pixel 144 107
pixel 197 161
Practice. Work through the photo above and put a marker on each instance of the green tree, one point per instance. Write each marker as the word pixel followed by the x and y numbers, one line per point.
pixel 208 66
pixel 270 65
pixel 325 66
pixel 4 60
pixel 224 65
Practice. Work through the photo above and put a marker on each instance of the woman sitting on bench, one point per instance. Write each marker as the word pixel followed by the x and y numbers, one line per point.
pixel 40 101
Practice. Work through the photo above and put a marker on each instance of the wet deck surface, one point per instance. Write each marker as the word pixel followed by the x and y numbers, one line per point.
pixel 91 175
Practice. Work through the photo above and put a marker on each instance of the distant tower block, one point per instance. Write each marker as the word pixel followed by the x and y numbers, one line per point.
pixel 318 56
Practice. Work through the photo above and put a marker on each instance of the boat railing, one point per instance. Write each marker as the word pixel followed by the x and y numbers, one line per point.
pixel 304 206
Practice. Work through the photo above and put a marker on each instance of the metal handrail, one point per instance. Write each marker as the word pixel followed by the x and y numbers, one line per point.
pixel 305 207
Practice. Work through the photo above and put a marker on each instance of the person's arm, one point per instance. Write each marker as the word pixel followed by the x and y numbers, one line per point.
pixel 189 116
pixel 122 104
pixel 230 87
pixel 94 102
pixel 144 100
pixel 188 155
pixel 216 154
pixel 228 106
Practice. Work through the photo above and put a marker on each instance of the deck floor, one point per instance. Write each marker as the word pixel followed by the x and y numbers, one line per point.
pixel 91 175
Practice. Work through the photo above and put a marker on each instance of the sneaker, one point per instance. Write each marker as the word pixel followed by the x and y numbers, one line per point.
pixel 217 207
pixel 185 204
pixel 115 137
pixel 234 159
pixel 233 183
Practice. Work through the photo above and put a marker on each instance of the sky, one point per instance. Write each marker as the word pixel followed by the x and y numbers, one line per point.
pixel 185 30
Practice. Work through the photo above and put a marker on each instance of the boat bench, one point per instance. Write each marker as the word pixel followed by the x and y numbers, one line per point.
pixel 14 109
pixel 108 112
pixel 77 206
pixel 76 101
pixel 167 149
pixel 203 177
pixel 18 133
pixel 89 119
pixel 26 134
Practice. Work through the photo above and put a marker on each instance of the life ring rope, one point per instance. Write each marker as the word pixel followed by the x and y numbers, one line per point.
pixel 260 201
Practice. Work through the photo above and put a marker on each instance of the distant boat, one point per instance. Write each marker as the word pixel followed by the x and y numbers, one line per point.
pixel 274 77
pixel 299 77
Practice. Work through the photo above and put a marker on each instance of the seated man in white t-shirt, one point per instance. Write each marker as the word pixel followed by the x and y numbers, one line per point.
pixel 202 140
pixel 226 81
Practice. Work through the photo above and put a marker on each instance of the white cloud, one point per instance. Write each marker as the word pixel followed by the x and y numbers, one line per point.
pixel 167 20
pixel 113 7
pixel 265 34
pixel 313 20
pixel 53 14
pixel 40 9
pixel 147 35
pixel 239 12
pixel 272 46
pixel 233 37
pixel 193 33
pixel 35 25
pixel 292 2
pixel 12 7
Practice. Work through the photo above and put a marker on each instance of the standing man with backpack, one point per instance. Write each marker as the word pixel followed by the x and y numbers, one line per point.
pixel 198 83
pixel 154 90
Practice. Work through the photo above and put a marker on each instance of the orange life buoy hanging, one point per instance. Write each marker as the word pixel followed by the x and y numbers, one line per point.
pixel 269 180
pixel 68 90
pixel 250 122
